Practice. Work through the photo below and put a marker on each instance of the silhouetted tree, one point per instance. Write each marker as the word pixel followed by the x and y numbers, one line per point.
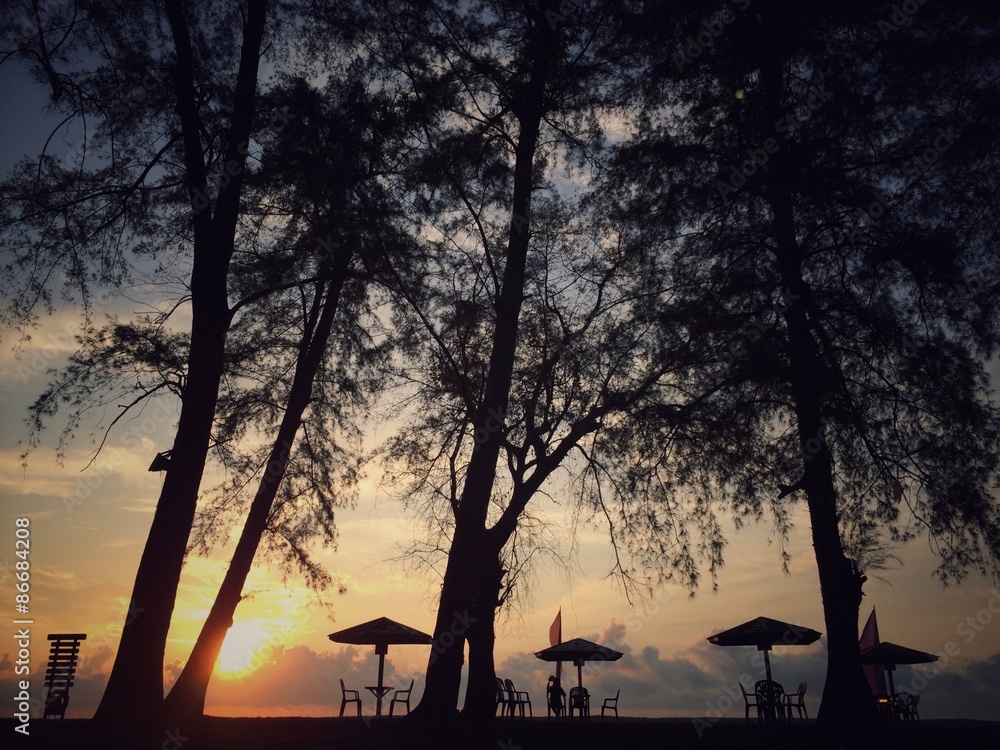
pixel 586 357
pixel 840 282
pixel 523 362
pixel 173 91
pixel 329 160
pixel 512 79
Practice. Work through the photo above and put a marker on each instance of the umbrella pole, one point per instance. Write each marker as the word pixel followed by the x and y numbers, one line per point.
pixel 892 686
pixel 381 650
pixel 579 674
pixel 770 710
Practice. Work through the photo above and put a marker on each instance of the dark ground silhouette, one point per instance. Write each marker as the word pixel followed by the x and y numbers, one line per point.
pixel 213 733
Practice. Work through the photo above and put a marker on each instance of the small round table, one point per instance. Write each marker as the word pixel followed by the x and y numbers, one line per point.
pixel 379 691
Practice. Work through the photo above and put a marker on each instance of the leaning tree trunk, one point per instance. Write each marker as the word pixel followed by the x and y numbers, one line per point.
pixel 187 697
pixel 135 688
pixel 134 694
pixel 461 578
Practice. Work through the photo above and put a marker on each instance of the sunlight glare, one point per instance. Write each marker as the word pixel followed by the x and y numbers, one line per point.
pixel 245 649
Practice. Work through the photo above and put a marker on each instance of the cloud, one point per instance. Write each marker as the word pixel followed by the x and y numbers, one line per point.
pixel 695 682
pixel 702 680
pixel 972 692
pixel 300 677
pixel 286 681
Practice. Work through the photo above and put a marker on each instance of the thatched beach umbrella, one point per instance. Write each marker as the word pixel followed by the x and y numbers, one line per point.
pixel 380 633
pixel 765 633
pixel 578 651
pixel 889 655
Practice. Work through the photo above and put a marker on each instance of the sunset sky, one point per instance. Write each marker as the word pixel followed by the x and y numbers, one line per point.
pixel 88 527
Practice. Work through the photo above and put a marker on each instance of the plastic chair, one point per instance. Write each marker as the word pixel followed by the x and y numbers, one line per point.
pixel 751 702
pixel 64 653
pixel 797 700
pixel 906 706
pixel 503 700
pixel 579 699
pixel 912 714
pixel 519 698
pixel 401 696
pixel 611 704
pixel 770 700
pixel 349 696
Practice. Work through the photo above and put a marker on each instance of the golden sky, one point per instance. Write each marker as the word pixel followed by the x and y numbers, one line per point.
pixel 88 528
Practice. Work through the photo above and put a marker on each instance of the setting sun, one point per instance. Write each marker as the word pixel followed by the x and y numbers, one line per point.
pixel 245 649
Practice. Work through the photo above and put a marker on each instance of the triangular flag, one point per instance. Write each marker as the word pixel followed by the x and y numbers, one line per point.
pixel 873 672
pixel 555 638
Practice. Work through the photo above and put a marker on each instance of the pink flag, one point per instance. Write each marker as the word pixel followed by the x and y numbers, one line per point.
pixel 555 638
pixel 874 672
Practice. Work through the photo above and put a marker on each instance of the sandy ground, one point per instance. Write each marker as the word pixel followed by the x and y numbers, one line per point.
pixel 392 734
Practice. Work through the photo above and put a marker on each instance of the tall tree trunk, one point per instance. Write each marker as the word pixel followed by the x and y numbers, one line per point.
pixel 480 695
pixel 480 692
pixel 187 697
pixel 134 694
pixel 466 556
pixel 846 701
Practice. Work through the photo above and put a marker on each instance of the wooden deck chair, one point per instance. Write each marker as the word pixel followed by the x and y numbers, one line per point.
pixel 64 653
